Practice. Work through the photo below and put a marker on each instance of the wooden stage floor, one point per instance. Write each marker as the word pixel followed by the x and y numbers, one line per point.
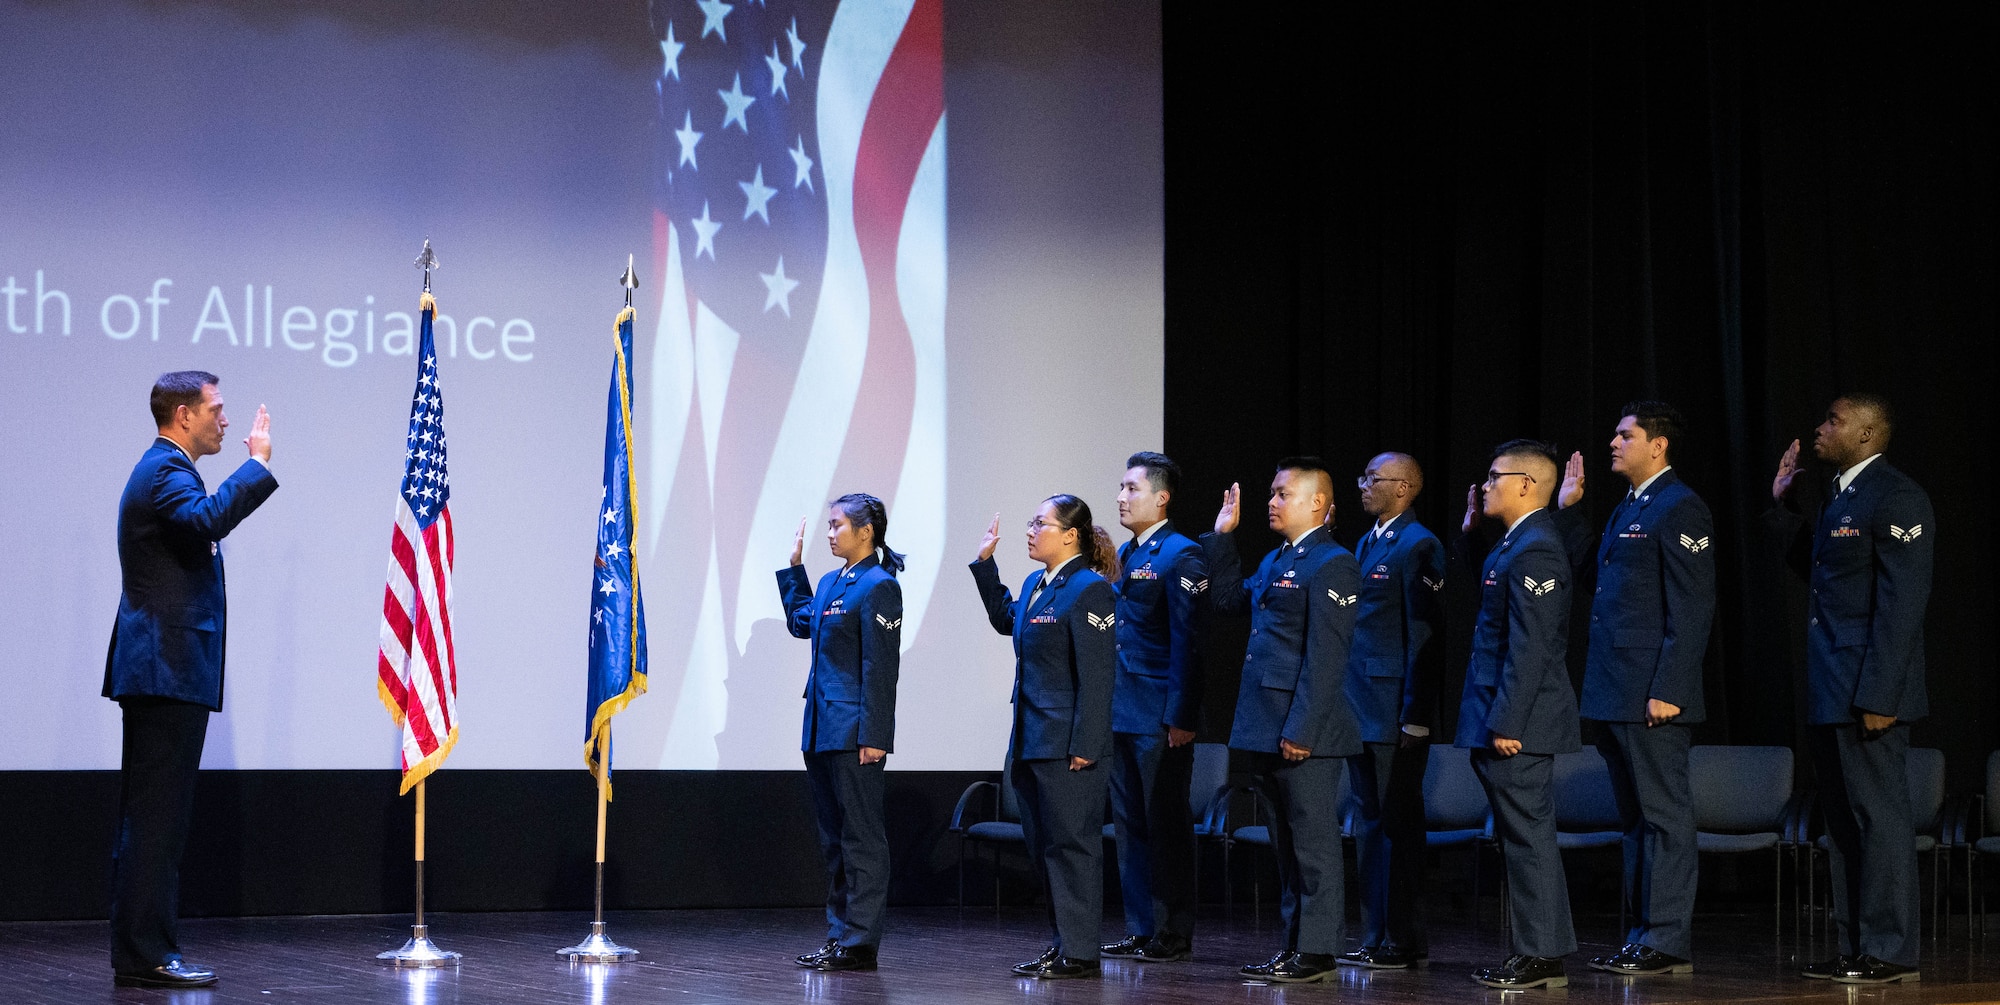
pixel 931 955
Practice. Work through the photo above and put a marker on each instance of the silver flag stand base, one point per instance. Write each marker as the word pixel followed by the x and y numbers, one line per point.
pixel 420 951
pixel 598 948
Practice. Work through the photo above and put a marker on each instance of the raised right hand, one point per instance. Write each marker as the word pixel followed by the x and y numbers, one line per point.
pixel 799 543
pixel 1572 486
pixel 1472 510
pixel 1230 513
pixel 259 440
pixel 992 540
pixel 1788 469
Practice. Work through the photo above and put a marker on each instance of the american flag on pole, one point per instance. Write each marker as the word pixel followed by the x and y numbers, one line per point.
pixel 799 233
pixel 417 675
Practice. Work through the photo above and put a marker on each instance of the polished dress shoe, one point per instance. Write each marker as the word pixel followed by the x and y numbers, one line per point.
pixel 1865 969
pixel 1048 956
pixel 1825 969
pixel 1166 947
pixel 809 959
pixel 1053 966
pixel 1379 958
pixel 843 958
pixel 1305 968
pixel 172 974
pixel 1520 972
pixel 1263 970
pixel 1636 960
pixel 1127 948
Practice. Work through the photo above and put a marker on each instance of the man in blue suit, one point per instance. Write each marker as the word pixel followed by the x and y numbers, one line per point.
pixel 1155 710
pixel 1649 620
pixel 1292 722
pixel 165 663
pixel 1867 560
pixel 1392 681
pixel 1519 710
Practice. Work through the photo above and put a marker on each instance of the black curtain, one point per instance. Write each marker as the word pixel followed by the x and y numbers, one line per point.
pixel 1433 227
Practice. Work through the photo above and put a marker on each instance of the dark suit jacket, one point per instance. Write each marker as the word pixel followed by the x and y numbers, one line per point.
pixel 1160 592
pixel 1065 655
pixel 1395 662
pixel 1867 560
pixel 168 641
pixel 1653 601
pixel 1301 604
pixel 1517 685
pixel 856 627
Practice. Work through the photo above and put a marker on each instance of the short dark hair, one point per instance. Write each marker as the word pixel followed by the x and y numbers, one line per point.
pixel 1313 466
pixel 172 390
pixel 1518 447
pixel 1659 419
pixel 1885 417
pixel 1161 471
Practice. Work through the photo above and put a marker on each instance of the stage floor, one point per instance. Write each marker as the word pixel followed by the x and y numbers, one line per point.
pixel 930 955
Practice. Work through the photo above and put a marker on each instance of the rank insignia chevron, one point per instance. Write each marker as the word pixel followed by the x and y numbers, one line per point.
pixel 1434 584
pixel 1906 536
pixel 886 623
pixel 1340 600
pixel 1193 585
pixel 1694 544
pixel 1538 589
pixel 1101 622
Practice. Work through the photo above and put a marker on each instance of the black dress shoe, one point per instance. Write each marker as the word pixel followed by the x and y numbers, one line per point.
pixel 1825 969
pixel 1262 970
pixel 1641 961
pixel 842 958
pixel 1520 972
pixel 1166 947
pixel 171 974
pixel 1379 958
pixel 812 958
pixel 1059 968
pixel 1127 948
pixel 1305 968
pixel 1865 969
pixel 1049 955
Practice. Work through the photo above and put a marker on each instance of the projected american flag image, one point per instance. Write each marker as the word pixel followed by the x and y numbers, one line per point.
pixel 799 238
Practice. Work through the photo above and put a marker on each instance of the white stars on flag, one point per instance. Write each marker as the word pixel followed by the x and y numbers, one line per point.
pixel 802 166
pixel 712 12
pixel 688 137
pixel 670 55
pixel 757 196
pixel 778 71
pixel 778 289
pixel 704 233
pixel 734 104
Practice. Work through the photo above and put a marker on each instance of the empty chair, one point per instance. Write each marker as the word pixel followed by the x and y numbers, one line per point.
pixel 1742 798
pixel 1456 814
pixel 1001 827
pixel 1586 811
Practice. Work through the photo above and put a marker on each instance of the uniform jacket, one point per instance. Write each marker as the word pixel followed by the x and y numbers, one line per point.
pixel 1652 603
pixel 855 623
pixel 169 638
pixel 1868 564
pixel 1065 655
pixel 1301 604
pixel 1517 685
pixel 1395 661
pixel 1161 588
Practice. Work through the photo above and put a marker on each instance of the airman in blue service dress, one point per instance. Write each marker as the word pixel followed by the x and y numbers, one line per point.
pixel 1161 588
pixel 1065 656
pixel 855 622
pixel 1867 563
pixel 1392 681
pixel 1652 576
pixel 1517 686
pixel 1301 603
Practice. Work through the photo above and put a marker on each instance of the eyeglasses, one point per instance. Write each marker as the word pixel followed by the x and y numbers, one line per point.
pixel 1037 525
pixel 1368 481
pixel 1494 476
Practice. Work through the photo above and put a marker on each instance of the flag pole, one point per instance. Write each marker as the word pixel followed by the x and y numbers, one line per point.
pixel 420 951
pixel 599 947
